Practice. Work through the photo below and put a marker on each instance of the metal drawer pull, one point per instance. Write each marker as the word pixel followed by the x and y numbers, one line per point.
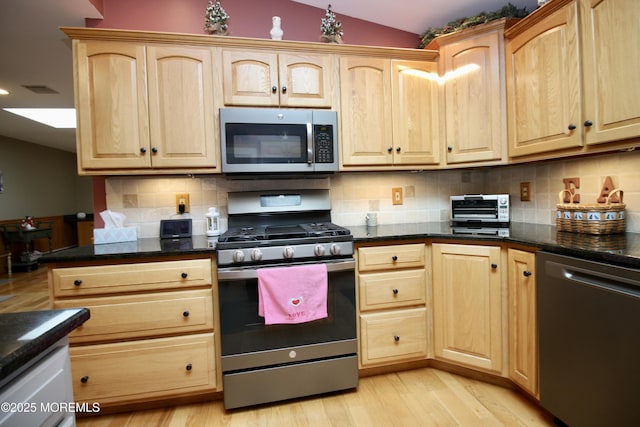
pixel 185 313
pixel 395 257
pixel 77 282
pixel 395 292
pixel 494 266
pixel 84 379
pixel 184 275
pixel 526 273
pixel 189 367
pixel 396 338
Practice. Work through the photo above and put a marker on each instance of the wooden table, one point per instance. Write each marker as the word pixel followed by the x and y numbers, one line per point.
pixel 15 233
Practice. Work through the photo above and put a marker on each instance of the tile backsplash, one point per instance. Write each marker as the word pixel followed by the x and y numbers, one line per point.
pixel 145 200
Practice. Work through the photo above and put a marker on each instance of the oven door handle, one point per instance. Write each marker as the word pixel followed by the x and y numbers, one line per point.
pixel 226 274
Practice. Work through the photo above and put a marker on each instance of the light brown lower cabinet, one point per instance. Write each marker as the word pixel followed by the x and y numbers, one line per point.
pixel 145 369
pixel 392 283
pixel 523 321
pixel 151 334
pixel 467 305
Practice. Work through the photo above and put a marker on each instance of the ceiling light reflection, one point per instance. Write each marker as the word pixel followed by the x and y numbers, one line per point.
pixel 465 69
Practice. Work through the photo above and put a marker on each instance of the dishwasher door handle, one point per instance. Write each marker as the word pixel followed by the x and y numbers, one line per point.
pixel 603 282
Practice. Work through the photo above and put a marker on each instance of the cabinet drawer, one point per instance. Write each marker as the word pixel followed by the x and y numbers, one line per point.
pixel 390 257
pixel 105 279
pixel 120 372
pixel 391 289
pixel 138 316
pixel 393 336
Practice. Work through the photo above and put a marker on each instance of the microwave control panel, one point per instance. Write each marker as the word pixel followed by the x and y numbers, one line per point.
pixel 323 143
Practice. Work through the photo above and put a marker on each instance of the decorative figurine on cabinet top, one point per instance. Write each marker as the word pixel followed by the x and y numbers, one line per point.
pixel 331 28
pixel 215 19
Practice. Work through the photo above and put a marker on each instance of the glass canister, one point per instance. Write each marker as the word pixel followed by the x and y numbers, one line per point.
pixel 213 222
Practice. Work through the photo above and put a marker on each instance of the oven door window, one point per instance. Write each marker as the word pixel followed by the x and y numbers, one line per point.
pixel 243 331
pixel 266 143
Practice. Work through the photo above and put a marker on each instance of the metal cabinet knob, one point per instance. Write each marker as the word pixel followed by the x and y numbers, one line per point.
pixel 84 379
pixel 185 313
pixel 449 148
pixel 189 367
pixel 390 149
pixel 396 338
pixel 184 275
pixel 284 89
pixel 526 273
pixel 274 89
pixel 398 149
pixel 394 258
pixel 494 266
pixel 588 123
pixel 395 292
pixel 143 150
pixel 77 282
pixel 154 150
pixel 571 127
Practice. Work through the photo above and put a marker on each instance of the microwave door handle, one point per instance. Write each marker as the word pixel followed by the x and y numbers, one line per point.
pixel 309 143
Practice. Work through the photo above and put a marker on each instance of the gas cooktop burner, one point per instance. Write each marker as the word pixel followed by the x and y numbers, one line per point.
pixel 273 232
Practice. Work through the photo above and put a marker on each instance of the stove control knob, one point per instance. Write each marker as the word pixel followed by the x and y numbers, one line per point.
pixel 238 256
pixel 256 254
pixel 319 250
pixel 288 252
pixel 335 249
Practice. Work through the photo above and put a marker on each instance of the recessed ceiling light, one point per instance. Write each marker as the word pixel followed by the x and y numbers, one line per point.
pixel 54 117
pixel 4 92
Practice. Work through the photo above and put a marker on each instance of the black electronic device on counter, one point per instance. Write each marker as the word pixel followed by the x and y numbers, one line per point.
pixel 175 228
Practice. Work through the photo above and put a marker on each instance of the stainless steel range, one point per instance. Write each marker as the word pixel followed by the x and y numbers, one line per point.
pixel 269 362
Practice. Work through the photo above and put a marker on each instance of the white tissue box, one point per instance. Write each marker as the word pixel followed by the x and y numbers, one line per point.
pixel 114 235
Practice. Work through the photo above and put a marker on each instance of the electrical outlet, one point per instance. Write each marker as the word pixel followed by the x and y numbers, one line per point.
pixel 182 203
pixel 396 195
pixel 525 191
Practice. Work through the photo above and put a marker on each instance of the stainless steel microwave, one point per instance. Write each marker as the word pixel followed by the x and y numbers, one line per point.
pixel 270 140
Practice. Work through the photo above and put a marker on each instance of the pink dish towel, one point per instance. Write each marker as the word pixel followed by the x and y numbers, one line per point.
pixel 295 294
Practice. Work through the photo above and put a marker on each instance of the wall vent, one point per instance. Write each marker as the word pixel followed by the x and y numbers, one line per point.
pixel 40 89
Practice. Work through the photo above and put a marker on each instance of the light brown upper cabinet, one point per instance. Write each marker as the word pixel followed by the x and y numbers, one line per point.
pixel 141 107
pixel 389 112
pixel 261 78
pixel 611 60
pixel 543 83
pixel 472 72
pixel 571 84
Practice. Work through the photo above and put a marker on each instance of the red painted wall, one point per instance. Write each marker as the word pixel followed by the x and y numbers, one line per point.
pixel 248 18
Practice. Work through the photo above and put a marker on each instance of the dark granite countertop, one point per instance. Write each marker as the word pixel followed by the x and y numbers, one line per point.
pixel 620 249
pixel 146 247
pixel 27 334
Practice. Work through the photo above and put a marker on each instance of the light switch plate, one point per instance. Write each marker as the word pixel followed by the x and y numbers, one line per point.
pixel 525 191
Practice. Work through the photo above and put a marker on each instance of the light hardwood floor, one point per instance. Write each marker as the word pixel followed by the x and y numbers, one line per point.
pixel 418 397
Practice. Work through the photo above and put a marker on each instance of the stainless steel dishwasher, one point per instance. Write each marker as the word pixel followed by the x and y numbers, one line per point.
pixel 589 341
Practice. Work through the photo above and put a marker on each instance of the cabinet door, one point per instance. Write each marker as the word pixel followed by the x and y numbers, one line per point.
pixel 365 96
pixel 250 78
pixel 181 113
pixel 523 324
pixel 467 305
pixel 474 100
pixel 611 62
pixel 543 85
pixel 416 135
pixel 305 80
pixel 111 101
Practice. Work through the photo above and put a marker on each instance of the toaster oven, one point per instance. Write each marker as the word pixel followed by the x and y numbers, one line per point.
pixel 483 210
